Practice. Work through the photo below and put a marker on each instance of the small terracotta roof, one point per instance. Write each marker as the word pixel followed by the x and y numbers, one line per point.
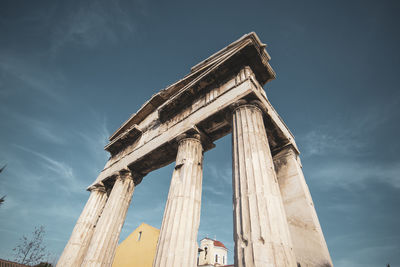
pixel 7 263
pixel 218 244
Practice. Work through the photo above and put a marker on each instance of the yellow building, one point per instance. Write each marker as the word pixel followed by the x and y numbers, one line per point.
pixel 138 249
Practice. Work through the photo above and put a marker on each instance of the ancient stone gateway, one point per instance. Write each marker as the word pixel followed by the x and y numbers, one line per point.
pixel 275 223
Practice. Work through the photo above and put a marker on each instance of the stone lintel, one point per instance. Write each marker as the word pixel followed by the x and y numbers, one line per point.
pixel 160 150
pixel 210 120
pixel 124 139
pixel 166 154
pixel 246 57
pixel 124 173
pixel 248 50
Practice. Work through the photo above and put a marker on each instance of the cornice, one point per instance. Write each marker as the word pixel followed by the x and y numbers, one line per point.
pixel 125 138
pixel 199 73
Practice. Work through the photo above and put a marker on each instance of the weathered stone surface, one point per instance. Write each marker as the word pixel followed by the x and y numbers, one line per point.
pixel 102 247
pixel 78 244
pixel 231 74
pixel 201 103
pixel 308 240
pixel 261 232
pixel 177 244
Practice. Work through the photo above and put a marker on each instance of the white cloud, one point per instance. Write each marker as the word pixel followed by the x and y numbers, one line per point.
pixel 347 143
pixel 221 174
pixel 43 129
pixel 93 138
pixel 62 170
pixel 351 173
pixel 220 180
pixel 347 135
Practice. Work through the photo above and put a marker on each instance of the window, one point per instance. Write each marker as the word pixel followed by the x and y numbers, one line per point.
pixel 139 236
pixel 216 257
pixel 223 259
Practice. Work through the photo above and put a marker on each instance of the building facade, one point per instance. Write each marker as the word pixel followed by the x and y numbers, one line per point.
pixel 212 253
pixel 138 249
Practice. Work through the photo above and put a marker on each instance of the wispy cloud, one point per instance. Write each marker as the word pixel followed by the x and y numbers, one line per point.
pixel 222 173
pixel 323 140
pixel 219 180
pixel 61 169
pixel 364 256
pixel 93 138
pixel 42 128
pixel 347 174
pixel 351 145
pixel 22 75
pixel 93 23
pixel 348 135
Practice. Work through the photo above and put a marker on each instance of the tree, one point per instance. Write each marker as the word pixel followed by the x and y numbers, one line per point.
pixel 31 251
pixel 44 264
pixel 3 197
pixel 2 200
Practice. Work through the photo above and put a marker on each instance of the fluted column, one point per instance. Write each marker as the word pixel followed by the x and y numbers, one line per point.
pixel 261 232
pixel 102 247
pixel 78 243
pixel 308 240
pixel 177 243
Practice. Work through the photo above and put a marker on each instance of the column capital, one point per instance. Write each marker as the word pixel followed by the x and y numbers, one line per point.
pixel 197 134
pixel 281 154
pixel 285 150
pixel 250 103
pixel 130 174
pixel 184 136
pixel 97 187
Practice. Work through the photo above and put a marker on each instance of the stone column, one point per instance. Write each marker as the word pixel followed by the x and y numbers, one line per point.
pixel 308 240
pixel 102 247
pixel 78 243
pixel 177 243
pixel 261 232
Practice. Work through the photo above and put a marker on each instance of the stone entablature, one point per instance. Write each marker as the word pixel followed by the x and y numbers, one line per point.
pixel 273 211
pixel 235 72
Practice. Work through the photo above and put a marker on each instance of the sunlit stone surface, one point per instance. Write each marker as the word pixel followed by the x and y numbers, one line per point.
pixel 177 244
pixel 308 241
pixel 199 107
pixel 261 233
pixel 102 247
pixel 82 234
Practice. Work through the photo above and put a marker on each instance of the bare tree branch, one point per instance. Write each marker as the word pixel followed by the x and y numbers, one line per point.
pixel 31 251
pixel 2 199
pixel 2 168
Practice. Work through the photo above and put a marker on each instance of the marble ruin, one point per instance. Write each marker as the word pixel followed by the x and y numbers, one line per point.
pixel 275 222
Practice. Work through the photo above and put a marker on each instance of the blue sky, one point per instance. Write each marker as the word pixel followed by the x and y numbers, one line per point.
pixel 72 71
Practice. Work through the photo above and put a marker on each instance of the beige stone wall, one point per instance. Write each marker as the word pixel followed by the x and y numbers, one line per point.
pixel 261 232
pixel 308 240
pixel 177 244
pixel 267 215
